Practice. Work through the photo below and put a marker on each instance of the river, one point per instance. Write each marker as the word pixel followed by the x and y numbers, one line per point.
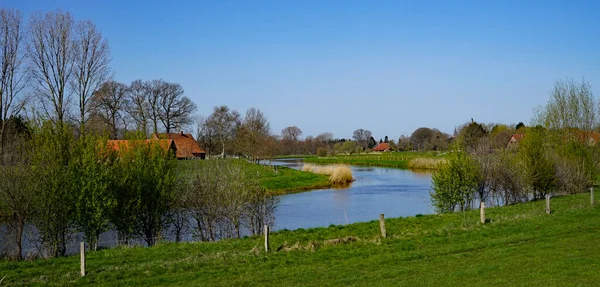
pixel 376 190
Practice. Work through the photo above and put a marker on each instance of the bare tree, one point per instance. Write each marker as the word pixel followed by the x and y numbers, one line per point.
pixel 325 137
pixel 223 123
pixel 91 66
pixel 253 132
pixel 139 107
pixel 156 89
pixel 51 55
pixel 362 137
pixel 289 139
pixel 174 109
pixel 12 77
pixel 109 102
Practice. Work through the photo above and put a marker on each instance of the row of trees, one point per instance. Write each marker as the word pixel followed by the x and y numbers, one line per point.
pixel 558 156
pixel 85 187
pixel 65 65
pixel 62 185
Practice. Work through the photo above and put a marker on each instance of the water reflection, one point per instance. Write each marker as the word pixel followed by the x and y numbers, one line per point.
pixel 394 192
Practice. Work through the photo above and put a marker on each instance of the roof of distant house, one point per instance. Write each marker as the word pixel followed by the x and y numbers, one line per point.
pixel 186 145
pixel 119 145
pixel 382 147
pixel 518 137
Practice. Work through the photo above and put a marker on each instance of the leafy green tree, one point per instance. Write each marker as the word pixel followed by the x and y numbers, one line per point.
pixel 50 156
pixel 149 174
pixel 470 135
pixel 539 166
pixel 455 183
pixel 95 179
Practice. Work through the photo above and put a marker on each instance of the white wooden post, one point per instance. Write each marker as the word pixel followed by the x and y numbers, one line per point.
pixel 592 196
pixel 266 238
pixel 482 211
pixel 382 225
pixel 82 257
pixel 548 204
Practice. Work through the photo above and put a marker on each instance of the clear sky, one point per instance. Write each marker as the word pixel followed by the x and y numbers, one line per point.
pixel 335 66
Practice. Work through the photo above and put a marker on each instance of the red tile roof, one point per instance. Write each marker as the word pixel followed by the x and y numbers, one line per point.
pixel 186 145
pixel 119 145
pixel 382 147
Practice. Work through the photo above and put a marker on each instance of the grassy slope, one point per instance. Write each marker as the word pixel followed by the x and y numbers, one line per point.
pixel 284 180
pixel 521 246
pixel 386 159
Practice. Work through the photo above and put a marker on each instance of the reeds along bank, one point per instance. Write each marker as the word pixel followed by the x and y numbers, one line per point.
pixel 338 173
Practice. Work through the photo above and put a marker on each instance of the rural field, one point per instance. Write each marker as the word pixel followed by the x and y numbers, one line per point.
pixel 280 180
pixel 519 245
pixel 403 159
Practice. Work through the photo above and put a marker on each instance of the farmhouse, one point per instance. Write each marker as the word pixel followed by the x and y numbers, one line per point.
pixel 514 141
pixel 185 144
pixel 382 147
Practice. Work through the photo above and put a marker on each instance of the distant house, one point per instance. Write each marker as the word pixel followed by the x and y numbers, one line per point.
pixel 514 141
pixel 382 147
pixel 185 144
pixel 122 145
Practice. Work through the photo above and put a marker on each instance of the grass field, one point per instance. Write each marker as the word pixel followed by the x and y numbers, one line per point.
pixel 405 160
pixel 520 246
pixel 282 180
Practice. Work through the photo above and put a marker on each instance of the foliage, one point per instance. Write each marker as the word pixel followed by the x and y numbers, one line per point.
pixel 95 179
pixel 470 135
pixel 455 183
pixel 226 202
pixel 148 173
pixel 50 157
pixel 322 152
pixel 539 166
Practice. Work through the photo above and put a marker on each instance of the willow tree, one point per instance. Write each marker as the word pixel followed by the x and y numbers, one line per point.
pixel 455 183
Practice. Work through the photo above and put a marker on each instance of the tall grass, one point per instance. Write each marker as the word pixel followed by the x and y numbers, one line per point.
pixel 338 173
pixel 425 163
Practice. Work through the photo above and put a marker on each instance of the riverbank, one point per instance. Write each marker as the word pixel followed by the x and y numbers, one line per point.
pixel 404 160
pixel 277 180
pixel 560 249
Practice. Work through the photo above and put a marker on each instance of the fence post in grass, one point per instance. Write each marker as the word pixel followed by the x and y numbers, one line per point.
pixel 82 255
pixel 482 211
pixel 382 225
pixel 266 238
pixel 592 196
pixel 548 203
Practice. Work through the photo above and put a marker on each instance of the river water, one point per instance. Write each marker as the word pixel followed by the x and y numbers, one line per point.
pixel 376 190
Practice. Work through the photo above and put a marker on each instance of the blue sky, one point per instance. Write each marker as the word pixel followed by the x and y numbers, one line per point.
pixel 335 66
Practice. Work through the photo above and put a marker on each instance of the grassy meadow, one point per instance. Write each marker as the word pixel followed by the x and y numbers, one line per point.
pixel 277 181
pixel 520 246
pixel 405 160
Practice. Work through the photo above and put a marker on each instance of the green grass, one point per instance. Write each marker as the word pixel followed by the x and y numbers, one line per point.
pixel 386 159
pixel 282 180
pixel 520 246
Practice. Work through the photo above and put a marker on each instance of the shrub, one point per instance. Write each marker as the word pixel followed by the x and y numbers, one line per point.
pixel 322 152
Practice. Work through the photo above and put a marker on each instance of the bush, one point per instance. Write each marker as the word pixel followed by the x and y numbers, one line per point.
pixel 322 152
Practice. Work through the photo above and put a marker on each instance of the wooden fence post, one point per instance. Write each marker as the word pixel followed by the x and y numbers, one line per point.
pixel 266 238
pixel 382 225
pixel 482 211
pixel 82 255
pixel 592 196
pixel 548 203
